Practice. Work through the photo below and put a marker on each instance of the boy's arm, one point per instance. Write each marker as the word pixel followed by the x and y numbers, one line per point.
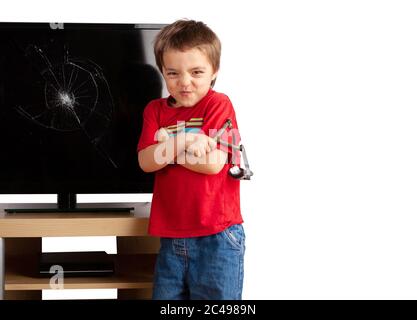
pixel 210 163
pixel 203 158
pixel 157 156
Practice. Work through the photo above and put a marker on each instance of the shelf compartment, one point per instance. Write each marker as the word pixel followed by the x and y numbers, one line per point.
pixel 132 271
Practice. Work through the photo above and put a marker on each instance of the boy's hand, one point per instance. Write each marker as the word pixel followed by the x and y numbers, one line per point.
pixel 199 144
pixel 162 135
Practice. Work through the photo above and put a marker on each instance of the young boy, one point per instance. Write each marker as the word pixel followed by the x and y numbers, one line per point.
pixel 195 205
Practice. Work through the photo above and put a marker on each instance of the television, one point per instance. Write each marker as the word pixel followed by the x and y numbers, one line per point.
pixel 71 102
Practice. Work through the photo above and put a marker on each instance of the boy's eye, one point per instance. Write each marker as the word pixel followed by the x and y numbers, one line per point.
pixel 172 73
pixel 198 72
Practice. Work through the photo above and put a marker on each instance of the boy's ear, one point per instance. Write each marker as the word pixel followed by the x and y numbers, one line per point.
pixel 213 79
pixel 214 76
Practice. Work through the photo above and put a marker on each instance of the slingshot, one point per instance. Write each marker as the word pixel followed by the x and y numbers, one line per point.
pixel 235 171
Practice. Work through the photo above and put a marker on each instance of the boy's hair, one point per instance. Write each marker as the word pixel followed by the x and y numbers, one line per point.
pixel 187 34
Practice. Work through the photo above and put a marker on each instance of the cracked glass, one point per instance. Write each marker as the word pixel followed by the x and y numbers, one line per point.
pixel 71 104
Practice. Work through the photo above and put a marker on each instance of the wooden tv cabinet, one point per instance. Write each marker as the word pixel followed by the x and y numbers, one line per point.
pixel 20 245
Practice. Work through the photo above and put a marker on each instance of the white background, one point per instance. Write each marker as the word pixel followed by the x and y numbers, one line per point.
pixel 325 96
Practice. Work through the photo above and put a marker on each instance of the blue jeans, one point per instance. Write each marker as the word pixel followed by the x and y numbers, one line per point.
pixel 201 268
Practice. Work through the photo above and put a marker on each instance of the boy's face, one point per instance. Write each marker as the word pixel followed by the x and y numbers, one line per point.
pixel 188 75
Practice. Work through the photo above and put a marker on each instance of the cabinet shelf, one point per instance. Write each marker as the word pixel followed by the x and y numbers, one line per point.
pixel 20 247
pixel 131 272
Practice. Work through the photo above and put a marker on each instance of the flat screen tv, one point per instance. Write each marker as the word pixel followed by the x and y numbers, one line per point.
pixel 71 102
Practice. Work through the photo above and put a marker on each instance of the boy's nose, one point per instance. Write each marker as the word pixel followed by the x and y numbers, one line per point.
pixel 185 80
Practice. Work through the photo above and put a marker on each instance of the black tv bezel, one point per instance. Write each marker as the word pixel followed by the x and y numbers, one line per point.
pixel 69 196
pixel 84 25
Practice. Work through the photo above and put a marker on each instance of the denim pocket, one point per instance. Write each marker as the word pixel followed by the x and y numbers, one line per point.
pixel 235 236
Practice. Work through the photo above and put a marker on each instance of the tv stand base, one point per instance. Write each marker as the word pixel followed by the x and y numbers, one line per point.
pixel 57 210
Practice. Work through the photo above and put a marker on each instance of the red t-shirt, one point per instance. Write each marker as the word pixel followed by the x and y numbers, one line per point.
pixel 186 203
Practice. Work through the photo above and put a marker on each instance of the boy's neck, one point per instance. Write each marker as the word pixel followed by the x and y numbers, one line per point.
pixel 171 101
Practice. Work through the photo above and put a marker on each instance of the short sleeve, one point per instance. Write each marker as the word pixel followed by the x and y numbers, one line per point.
pixel 149 128
pixel 218 112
